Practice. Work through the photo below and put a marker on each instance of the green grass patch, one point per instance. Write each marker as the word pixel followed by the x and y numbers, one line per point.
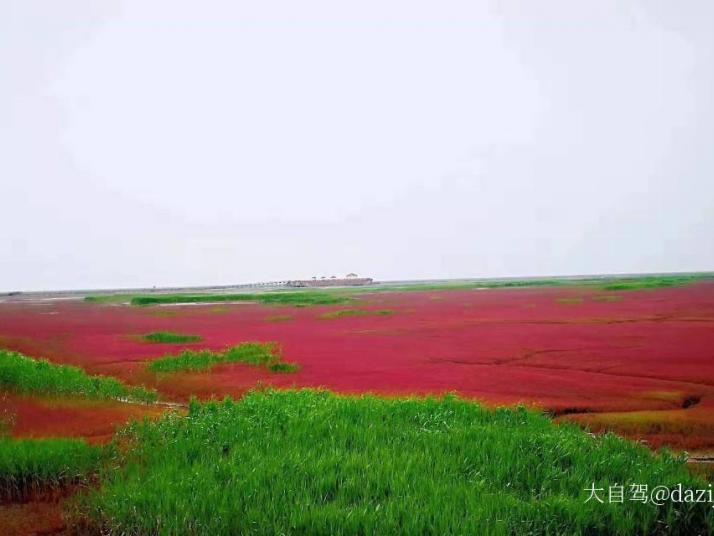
pixel 283 367
pixel 6 420
pixel 33 467
pixel 170 337
pixel 651 282
pixel 279 318
pixel 25 375
pixel 109 298
pixel 310 462
pixel 343 313
pixel 265 354
pixel 299 298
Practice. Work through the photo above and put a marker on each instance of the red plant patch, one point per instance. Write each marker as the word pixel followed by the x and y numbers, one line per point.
pixel 35 417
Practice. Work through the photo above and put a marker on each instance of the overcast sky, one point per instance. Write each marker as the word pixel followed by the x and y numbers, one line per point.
pixel 187 143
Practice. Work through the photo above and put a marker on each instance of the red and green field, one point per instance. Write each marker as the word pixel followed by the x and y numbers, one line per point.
pixel 639 362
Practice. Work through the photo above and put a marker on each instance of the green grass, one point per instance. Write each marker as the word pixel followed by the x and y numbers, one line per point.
pixel 283 367
pixel 265 354
pixel 468 285
pixel 32 467
pixel 310 462
pixel 279 318
pixel 298 298
pixel 108 298
pixel 342 313
pixel 6 422
pixel 649 282
pixel 607 282
pixel 25 375
pixel 170 337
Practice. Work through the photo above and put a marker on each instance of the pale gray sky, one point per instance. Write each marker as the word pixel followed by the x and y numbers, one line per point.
pixel 182 143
